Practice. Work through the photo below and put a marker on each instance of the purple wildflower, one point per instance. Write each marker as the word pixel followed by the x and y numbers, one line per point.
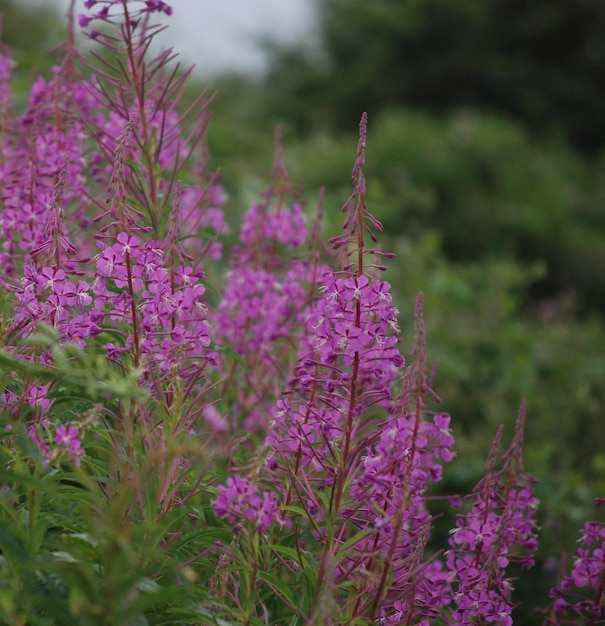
pixel 241 501
pixel 581 594
pixel 264 298
pixel 67 439
pixel 500 528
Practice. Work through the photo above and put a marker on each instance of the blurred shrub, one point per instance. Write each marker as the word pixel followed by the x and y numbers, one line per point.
pixel 538 62
pixel 486 188
pixel 30 32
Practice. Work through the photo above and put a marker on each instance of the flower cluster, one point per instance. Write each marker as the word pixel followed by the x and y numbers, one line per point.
pixel 58 299
pixel 259 309
pixel 354 319
pixel 156 314
pixel 103 13
pixel 142 291
pixel 350 334
pixel 288 226
pixel 266 292
pixel 399 467
pixel 499 529
pixel 582 592
pixel 33 196
pixel 390 491
pixel 133 287
pixel 241 501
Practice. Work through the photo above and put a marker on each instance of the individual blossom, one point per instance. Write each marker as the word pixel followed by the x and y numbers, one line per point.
pixel 37 396
pixel 67 441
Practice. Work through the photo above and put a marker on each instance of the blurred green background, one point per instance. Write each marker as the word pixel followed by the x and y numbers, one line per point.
pixel 485 162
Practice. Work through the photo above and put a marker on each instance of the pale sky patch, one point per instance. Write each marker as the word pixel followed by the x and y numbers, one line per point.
pixel 218 35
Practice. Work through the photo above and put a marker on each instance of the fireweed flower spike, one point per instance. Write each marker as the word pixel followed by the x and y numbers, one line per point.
pixel 342 464
pixel 266 291
pixel 499 529
pixel 391 491
pixel 152 304
pixel 145 283
pixel 163 138
pixel 581 593
pixel 241 501
pixel 347 357
pixel 50 140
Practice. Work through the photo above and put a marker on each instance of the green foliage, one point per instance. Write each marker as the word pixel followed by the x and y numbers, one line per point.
pixel 76 371
pixel 29 32
pixel 101 543
pixel 486 188
pixel 537 62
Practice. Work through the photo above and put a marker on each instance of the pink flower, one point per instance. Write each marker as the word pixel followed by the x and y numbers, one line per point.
pixel 126 244
pixel 67 439
pixel 107 261
pixel 84 20
pixel 36 396
pixel 240 500
pixel 51 279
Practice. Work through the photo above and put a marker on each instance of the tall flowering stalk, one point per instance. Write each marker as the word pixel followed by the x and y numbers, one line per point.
pixel 271 279
pixel 43 174
pixel 499 529
pixel 110 275
pixel 148 277
pixel 580 595
pixel 411 446
pixel 43 180
pixel 148 91
pixel 335 455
